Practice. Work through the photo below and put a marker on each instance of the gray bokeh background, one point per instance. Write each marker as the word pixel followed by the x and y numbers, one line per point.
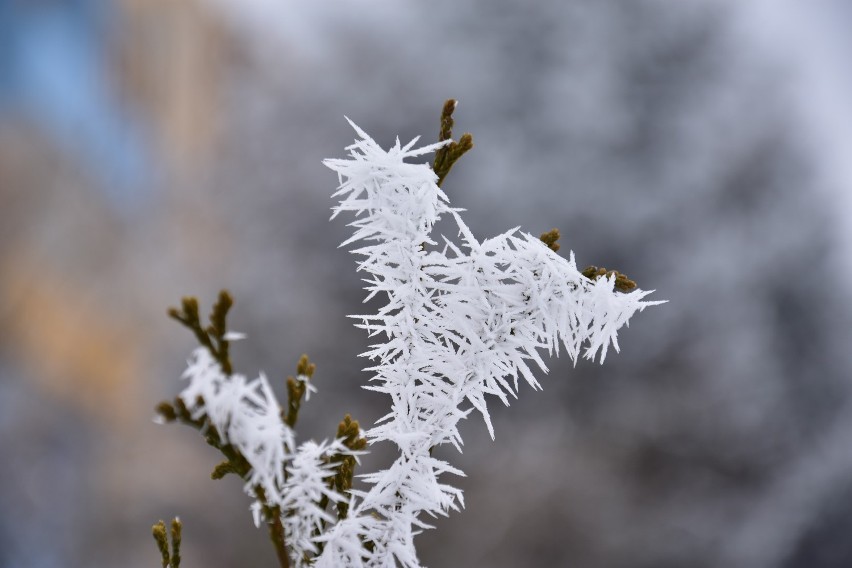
pixel 150 150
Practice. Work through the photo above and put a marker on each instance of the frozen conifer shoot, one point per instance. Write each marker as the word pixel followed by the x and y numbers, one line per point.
pixel 463 319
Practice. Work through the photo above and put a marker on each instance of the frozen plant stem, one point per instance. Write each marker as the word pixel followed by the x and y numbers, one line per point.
pixel 458 324
pixel 214 339
pixel 276 533
pixel 291 486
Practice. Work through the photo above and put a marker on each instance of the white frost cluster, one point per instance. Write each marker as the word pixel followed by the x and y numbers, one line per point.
pixel 247 415
pixel 461 322
pixel 307 484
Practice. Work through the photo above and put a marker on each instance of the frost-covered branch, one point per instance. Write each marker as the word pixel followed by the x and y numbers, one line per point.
pixel 460 323
pixel 291 486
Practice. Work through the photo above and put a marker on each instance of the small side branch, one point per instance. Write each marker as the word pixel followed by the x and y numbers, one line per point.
pixel 622 282
pixel 213 336
pixel 170 555
pixel 449 154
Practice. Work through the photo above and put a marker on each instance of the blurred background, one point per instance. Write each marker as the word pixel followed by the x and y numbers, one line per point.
pixel 151 149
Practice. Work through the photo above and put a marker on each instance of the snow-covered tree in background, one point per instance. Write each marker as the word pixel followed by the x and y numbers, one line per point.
pixel 463 320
